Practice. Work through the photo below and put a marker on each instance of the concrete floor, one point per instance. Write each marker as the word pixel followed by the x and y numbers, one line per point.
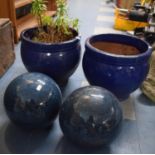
pixel 137 133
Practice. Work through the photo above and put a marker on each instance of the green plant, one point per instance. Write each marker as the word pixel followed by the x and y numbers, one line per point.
pixel 58 29
pixel 38 10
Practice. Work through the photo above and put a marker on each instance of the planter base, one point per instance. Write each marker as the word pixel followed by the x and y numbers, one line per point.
pixel 62 83
pixel 123 98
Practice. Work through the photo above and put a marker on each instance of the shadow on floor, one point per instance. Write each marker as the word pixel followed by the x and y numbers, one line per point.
pixel 24 141
pixel 66 147
pixel 142 99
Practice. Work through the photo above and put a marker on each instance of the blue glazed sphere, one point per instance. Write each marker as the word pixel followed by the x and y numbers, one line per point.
pixel 32 100
pixel 58 60
pixel 120 74
pixel 91 116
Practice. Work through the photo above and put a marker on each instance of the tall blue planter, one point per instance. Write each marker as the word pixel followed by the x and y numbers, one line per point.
pixel 59 61
pixel 121 74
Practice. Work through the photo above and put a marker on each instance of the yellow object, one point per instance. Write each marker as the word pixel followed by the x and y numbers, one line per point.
pixel 122 23
pixel 145 1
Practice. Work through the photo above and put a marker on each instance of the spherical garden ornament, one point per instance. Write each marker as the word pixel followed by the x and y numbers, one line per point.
pixel 32 100
pixel 90 116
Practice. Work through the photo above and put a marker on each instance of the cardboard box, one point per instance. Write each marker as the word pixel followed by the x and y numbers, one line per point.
pixel 7 55
pixel 126 4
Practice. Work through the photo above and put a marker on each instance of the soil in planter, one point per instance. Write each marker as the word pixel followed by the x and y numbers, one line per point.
pixel 116 48
pixel 51 35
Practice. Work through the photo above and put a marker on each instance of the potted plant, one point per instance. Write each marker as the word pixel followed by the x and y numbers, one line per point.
pixel 116 62
pixel 54 46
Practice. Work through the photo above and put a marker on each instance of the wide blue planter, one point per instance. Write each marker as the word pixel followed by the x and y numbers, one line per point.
pixel 121 74
pixel 59 61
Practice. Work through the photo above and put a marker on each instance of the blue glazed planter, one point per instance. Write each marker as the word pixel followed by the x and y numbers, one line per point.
pixel 121 74
pixel 59 61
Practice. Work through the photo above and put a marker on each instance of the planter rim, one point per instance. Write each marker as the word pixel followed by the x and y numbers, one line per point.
pixel 88 45
pixel 78 37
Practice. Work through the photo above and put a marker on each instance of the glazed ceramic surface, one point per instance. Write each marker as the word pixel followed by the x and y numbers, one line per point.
pixel 121 74
pixel 90 116
pixel 32 100
pixel 59 61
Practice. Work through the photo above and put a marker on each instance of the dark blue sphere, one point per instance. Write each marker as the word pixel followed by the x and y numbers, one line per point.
pixel 90 116
pixel 32 100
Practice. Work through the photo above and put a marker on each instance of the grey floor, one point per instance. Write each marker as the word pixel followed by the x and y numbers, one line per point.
pixel 137 134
